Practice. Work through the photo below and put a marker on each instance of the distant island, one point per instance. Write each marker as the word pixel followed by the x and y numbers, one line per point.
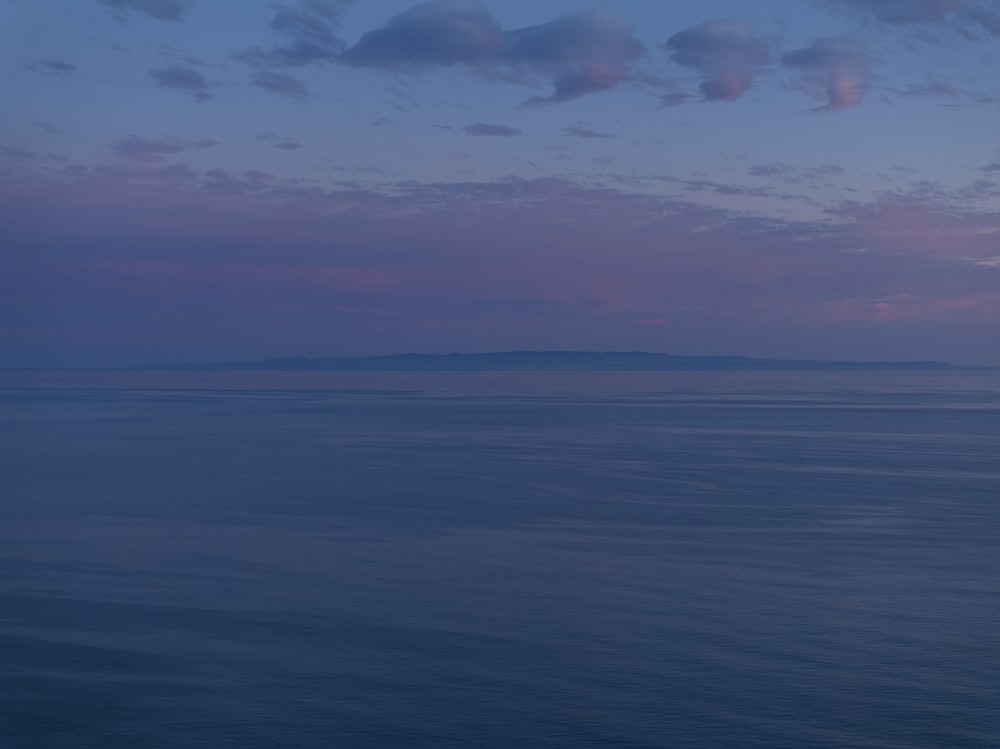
pixel 543 361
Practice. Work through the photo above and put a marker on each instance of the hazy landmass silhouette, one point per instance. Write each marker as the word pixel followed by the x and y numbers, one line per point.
pixel 543 360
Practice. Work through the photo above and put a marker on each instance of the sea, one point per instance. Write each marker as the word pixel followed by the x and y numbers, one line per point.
pixel 326 560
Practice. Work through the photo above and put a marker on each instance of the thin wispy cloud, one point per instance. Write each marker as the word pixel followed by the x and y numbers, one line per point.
pixel 161 10
pixel 183 79
pixel 935 88
pixel 55 66
pixel 903 12
pixel 970 18
pixel 482 128
pixel 280 83
pixel 150 150
pixel 307 34
pixel 580 131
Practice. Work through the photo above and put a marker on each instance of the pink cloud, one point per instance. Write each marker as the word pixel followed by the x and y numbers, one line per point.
pixel 911 226
pixel 913 308
pixel 725 52
pixel 834 69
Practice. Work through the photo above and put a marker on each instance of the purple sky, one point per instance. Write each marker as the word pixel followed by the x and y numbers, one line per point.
pixel 223 179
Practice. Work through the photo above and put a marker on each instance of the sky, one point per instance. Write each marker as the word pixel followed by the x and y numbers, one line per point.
pixel 192 180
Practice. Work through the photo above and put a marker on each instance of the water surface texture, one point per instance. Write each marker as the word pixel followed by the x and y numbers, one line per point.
pixel 389 560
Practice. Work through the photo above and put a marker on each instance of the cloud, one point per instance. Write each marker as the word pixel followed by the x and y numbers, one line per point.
pixel 184 79
pixel 981 190
pixel 16 158
pixel 47 128
pixel 987 17
pixel 583 53
pixel 903 11
pixel 966 16
pixel 279 141
pixel 914 226
pixel 931 88
pixel 580 54
pixel 446 32
pixel 56 66
pixel 834 69
pixel 280 83
pixel 725 52
pixel 589 37
pixel 482 128
pixel 771 170
pixel 592 78
pixel 153 150
pixel 674 99
pixel 162 10
pixel 307 29
pixel 578 131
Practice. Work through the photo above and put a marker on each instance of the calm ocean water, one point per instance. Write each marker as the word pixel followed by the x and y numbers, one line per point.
pixel 393 560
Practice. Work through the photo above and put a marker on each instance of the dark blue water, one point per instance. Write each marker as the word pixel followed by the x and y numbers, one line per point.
pixel 387 560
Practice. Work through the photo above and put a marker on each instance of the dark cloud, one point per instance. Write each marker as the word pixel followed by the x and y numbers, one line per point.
pixel 446 32
pixel 288 145
pixel 163 10
pixel 280 83
pixel 725 52
pixel 57 66
pixel 307 30
pixel 152 150
pixel 834 69
pixel 589 37
pixel 482 128
pixel 183 79
pixel 581 53
pixel 579 131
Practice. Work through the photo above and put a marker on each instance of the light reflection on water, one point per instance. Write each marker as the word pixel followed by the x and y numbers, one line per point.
pixel 779 384
pixel 498 559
